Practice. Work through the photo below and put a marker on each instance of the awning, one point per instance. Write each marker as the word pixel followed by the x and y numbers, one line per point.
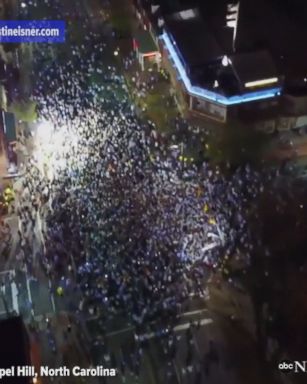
pixel 9 126
pixel 145 43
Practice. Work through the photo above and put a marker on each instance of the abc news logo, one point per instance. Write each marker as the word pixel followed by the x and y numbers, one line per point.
pixel 288 366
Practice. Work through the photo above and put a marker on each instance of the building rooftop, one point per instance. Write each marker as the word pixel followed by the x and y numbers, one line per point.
pixel 269 42
pixel 276 26
pixel 202 56
pixel 195 42
pixel 253 66
pixel 145 42
pixel 279 27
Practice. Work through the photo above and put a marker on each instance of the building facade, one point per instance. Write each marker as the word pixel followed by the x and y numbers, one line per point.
pixel 213 75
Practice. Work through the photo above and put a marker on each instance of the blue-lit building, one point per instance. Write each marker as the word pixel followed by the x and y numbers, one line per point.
pixel 215 83
pixel 220 66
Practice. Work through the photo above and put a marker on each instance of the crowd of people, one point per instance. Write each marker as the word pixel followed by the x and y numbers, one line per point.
pixel 108 206
pixel 138 227
pixel 116 215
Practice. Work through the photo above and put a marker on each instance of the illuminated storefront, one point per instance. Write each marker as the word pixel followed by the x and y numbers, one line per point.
pixel 146 49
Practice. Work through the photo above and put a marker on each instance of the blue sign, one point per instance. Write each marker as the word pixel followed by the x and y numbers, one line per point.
pixel 32 31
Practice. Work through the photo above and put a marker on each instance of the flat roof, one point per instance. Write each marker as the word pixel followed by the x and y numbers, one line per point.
pixel 145 42
pixel 254 66
pixel 209 94
pixel 269 46
pixel 168 7
pixel 195 42
pixel 278 26
pixel 202 55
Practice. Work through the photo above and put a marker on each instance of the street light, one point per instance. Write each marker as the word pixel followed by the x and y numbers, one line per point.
pixel 225 61
pixel 23 5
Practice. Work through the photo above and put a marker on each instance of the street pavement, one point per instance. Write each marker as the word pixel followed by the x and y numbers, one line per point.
pixel 25 296
pixel 155 362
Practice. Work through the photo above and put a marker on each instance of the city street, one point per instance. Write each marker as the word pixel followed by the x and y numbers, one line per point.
pixel 88 310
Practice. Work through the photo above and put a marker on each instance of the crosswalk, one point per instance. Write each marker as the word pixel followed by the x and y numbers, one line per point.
pixel 151 371
pixel 182 326
pixel 25 296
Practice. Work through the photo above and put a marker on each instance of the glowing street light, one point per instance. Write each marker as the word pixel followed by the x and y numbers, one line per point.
pixel 23 5
pixel 225 61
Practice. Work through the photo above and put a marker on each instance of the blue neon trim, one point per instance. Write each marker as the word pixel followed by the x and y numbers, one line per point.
pixel 205 93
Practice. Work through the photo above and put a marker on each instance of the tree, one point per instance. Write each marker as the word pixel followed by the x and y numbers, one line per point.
pixel 24 110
